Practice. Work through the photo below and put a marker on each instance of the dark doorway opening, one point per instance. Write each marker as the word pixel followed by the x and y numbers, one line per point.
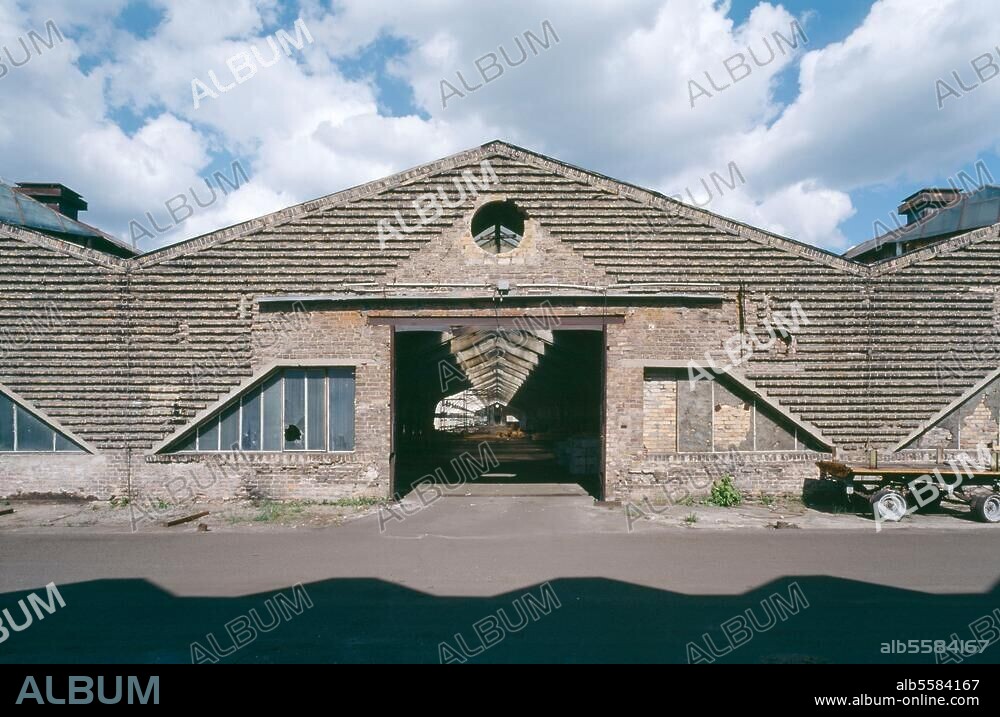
pixel 498 405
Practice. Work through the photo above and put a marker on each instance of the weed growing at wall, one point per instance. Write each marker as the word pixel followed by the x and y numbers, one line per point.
pixel 724 493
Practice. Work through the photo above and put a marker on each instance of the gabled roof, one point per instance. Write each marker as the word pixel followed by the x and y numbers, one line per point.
pixel 893 264
pixel 18 209
pixel 646 197
pixel 952 406
pixel 971 211
pixel 94 256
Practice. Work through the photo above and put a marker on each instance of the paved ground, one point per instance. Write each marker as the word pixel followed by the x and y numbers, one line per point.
pixel 434 572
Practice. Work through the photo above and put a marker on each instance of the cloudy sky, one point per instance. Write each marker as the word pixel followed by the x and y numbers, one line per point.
pixel 138 101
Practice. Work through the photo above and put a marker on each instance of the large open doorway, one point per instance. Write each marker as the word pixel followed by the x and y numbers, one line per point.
pixel 533 396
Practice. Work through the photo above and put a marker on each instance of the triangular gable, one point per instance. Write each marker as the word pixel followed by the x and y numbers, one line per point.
pixel 25 428
pixel 652 200
pixel 645 197
pixel 743 388
pixel 171 443
pixel 972 418
pixel 282 216
pixel 91 256
pixel 672 207
pixel 946 246
pixel 537 258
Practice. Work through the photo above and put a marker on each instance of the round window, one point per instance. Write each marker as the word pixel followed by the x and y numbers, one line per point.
pixel 498 227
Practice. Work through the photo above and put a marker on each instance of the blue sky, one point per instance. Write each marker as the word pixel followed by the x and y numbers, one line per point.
pixel 829 135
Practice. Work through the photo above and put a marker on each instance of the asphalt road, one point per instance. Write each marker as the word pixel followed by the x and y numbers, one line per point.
pixel 598 593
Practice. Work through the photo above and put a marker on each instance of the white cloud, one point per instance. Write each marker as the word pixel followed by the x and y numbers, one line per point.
pixel 867 112
pixel 612 95
pixel 802 211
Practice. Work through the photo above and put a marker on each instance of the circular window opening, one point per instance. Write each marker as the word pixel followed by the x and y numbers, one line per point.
pixel 498 227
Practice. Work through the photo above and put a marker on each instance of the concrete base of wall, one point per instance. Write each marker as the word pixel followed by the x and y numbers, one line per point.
pixel 57 475
pixel 676 477
pixel 185 478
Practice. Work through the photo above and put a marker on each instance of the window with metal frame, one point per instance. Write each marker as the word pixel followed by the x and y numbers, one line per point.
pixel 21 431
pixel 292 410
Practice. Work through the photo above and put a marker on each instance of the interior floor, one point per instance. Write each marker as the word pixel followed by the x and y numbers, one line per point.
pixel 518 461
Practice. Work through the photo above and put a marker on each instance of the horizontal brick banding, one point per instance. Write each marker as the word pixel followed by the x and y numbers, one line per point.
pixel 124 353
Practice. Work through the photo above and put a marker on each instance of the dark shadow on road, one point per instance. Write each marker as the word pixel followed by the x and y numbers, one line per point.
pixel 598 620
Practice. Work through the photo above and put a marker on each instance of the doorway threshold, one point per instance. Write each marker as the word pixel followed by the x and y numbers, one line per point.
pixel 515 490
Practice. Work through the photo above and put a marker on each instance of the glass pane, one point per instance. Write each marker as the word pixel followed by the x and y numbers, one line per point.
pixel 32 434
pixel 341 409
pixel 272 414
pixel 6 424
pixel 250 440
pixel 208 435
pixel 295 410
pixel 230 428
pixel 316 399
pixel 188 443
pixel 65 444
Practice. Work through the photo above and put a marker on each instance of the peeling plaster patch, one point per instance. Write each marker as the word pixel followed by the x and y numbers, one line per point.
pixel 979 426
pixel 732 425
pixel 937 437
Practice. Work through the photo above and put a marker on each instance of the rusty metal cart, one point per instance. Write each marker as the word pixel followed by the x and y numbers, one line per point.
pixel 895 490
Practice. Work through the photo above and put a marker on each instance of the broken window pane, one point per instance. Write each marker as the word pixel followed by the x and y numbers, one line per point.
pixel 295 410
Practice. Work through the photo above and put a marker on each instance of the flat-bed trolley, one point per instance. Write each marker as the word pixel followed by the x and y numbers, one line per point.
pixel 895 490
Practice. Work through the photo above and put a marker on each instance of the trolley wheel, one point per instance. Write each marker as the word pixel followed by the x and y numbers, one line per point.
pixel 987 507
pixel 889 505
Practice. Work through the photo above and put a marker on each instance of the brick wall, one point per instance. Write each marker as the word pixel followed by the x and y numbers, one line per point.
pixel 138 348
pixel 691 475
pixel 659 415
pixel 732 425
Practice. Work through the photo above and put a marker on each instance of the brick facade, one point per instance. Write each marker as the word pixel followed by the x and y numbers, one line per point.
pixel 125 353
pixel 659 415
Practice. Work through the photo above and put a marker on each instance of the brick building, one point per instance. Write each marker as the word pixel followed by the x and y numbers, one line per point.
pixel 638 340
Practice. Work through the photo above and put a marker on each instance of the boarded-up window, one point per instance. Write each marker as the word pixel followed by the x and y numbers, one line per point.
pixel 710 415
pixel 694 416
pixel 659 414
pixel 975 422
